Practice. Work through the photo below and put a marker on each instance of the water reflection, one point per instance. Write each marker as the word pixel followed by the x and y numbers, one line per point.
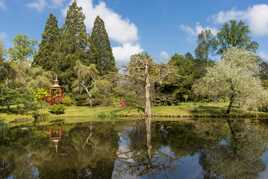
pixel 139 149
pixel 55 135
pixel 241 156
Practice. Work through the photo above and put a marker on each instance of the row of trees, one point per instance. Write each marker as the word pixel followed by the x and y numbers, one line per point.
pixel 232 34
pixel 61 48
pixel 78 58
pixel 86 68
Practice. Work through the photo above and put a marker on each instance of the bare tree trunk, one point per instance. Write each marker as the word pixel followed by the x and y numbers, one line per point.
pixel 148 110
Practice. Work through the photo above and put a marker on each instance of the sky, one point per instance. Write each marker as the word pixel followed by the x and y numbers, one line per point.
pixel 159 27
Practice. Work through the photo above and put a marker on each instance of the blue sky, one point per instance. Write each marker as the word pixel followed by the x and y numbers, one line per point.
pixel 160 27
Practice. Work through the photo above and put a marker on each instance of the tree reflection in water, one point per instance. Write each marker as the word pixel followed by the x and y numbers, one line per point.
pixel 140 158
pixel 207 149
pixel 240 156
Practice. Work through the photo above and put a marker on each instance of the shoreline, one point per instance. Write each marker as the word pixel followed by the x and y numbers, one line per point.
pixel 186 111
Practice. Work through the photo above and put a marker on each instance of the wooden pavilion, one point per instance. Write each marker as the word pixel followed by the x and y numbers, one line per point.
pixel 56 93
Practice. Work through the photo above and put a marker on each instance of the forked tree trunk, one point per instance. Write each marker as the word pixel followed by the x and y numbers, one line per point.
pixel 148 110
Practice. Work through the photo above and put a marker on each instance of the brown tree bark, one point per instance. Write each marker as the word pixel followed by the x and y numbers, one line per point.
pixel 231 98
pixel 148 110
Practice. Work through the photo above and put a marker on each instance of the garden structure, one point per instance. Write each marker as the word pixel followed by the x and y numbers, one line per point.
pixel 56 93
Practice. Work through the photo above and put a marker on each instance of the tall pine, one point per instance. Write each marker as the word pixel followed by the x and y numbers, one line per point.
pixel 47 53
pixel 73 45
pixel 105 61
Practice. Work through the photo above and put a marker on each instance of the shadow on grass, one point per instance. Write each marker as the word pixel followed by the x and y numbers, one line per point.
pixel 203 109
pixel 208 110
pixel 219 111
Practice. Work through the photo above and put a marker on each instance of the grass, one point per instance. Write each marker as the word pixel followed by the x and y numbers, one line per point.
pixel 184 109
pixel 77 114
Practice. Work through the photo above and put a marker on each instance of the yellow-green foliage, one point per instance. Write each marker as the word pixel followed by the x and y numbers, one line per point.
pixel 67 101
pixel 57 109
pixel 39 93
pixel 235 77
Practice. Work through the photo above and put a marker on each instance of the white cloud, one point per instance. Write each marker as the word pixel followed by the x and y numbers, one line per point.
pixel 164 57
pixel 57 2
pixel 3 4
pixel 254 16
pixel 225 16
pixel 120 30
pixel 188 29
pixel 263 55
pixel 3 36
pixel 122 53
pixel 193 32
pixel 38 5
pixel 257 17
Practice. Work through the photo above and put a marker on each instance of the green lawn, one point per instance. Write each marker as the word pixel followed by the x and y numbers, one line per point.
pixel 74 114
pixel 184 109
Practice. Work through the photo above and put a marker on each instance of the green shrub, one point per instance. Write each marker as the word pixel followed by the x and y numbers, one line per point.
pixel 67 101
pixel 57 109
pixel 39 93
pixel 39 117
pixel 108 115
pixel 57 122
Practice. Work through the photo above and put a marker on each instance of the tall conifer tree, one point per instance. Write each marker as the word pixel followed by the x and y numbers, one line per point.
pixel 47 54
pixel 73 44
pixel 100 41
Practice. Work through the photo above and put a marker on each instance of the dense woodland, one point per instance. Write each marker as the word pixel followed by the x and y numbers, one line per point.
pixel 86 68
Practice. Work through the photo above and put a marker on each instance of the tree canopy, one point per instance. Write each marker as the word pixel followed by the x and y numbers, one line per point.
pixel 236 78
pixel 47 54
pixel 105 61
pixel 23 48
pixel 205 45
pixel 235 34
pixel 73 45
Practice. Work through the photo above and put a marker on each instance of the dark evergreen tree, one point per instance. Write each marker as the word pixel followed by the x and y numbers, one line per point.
pixel 73 45
pixel 189 56
pixel 47 54
pixel 100 41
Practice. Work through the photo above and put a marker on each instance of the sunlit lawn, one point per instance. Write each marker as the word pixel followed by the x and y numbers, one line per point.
pixel 74 114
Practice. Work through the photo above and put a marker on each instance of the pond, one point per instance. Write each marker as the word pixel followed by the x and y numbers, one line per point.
pixel 218 148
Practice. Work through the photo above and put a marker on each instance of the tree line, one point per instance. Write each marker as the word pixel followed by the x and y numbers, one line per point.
pixel 86 67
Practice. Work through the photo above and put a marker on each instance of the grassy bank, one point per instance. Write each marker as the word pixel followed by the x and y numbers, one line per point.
pixel 74 114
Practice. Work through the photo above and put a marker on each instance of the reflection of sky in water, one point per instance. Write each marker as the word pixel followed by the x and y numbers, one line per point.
pixel 167 161
pixel 264 174
pixel 183 168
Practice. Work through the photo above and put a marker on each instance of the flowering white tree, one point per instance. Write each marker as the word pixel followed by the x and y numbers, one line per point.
pixel 235 77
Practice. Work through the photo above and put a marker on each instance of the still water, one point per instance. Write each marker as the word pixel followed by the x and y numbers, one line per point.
pixel 210 149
